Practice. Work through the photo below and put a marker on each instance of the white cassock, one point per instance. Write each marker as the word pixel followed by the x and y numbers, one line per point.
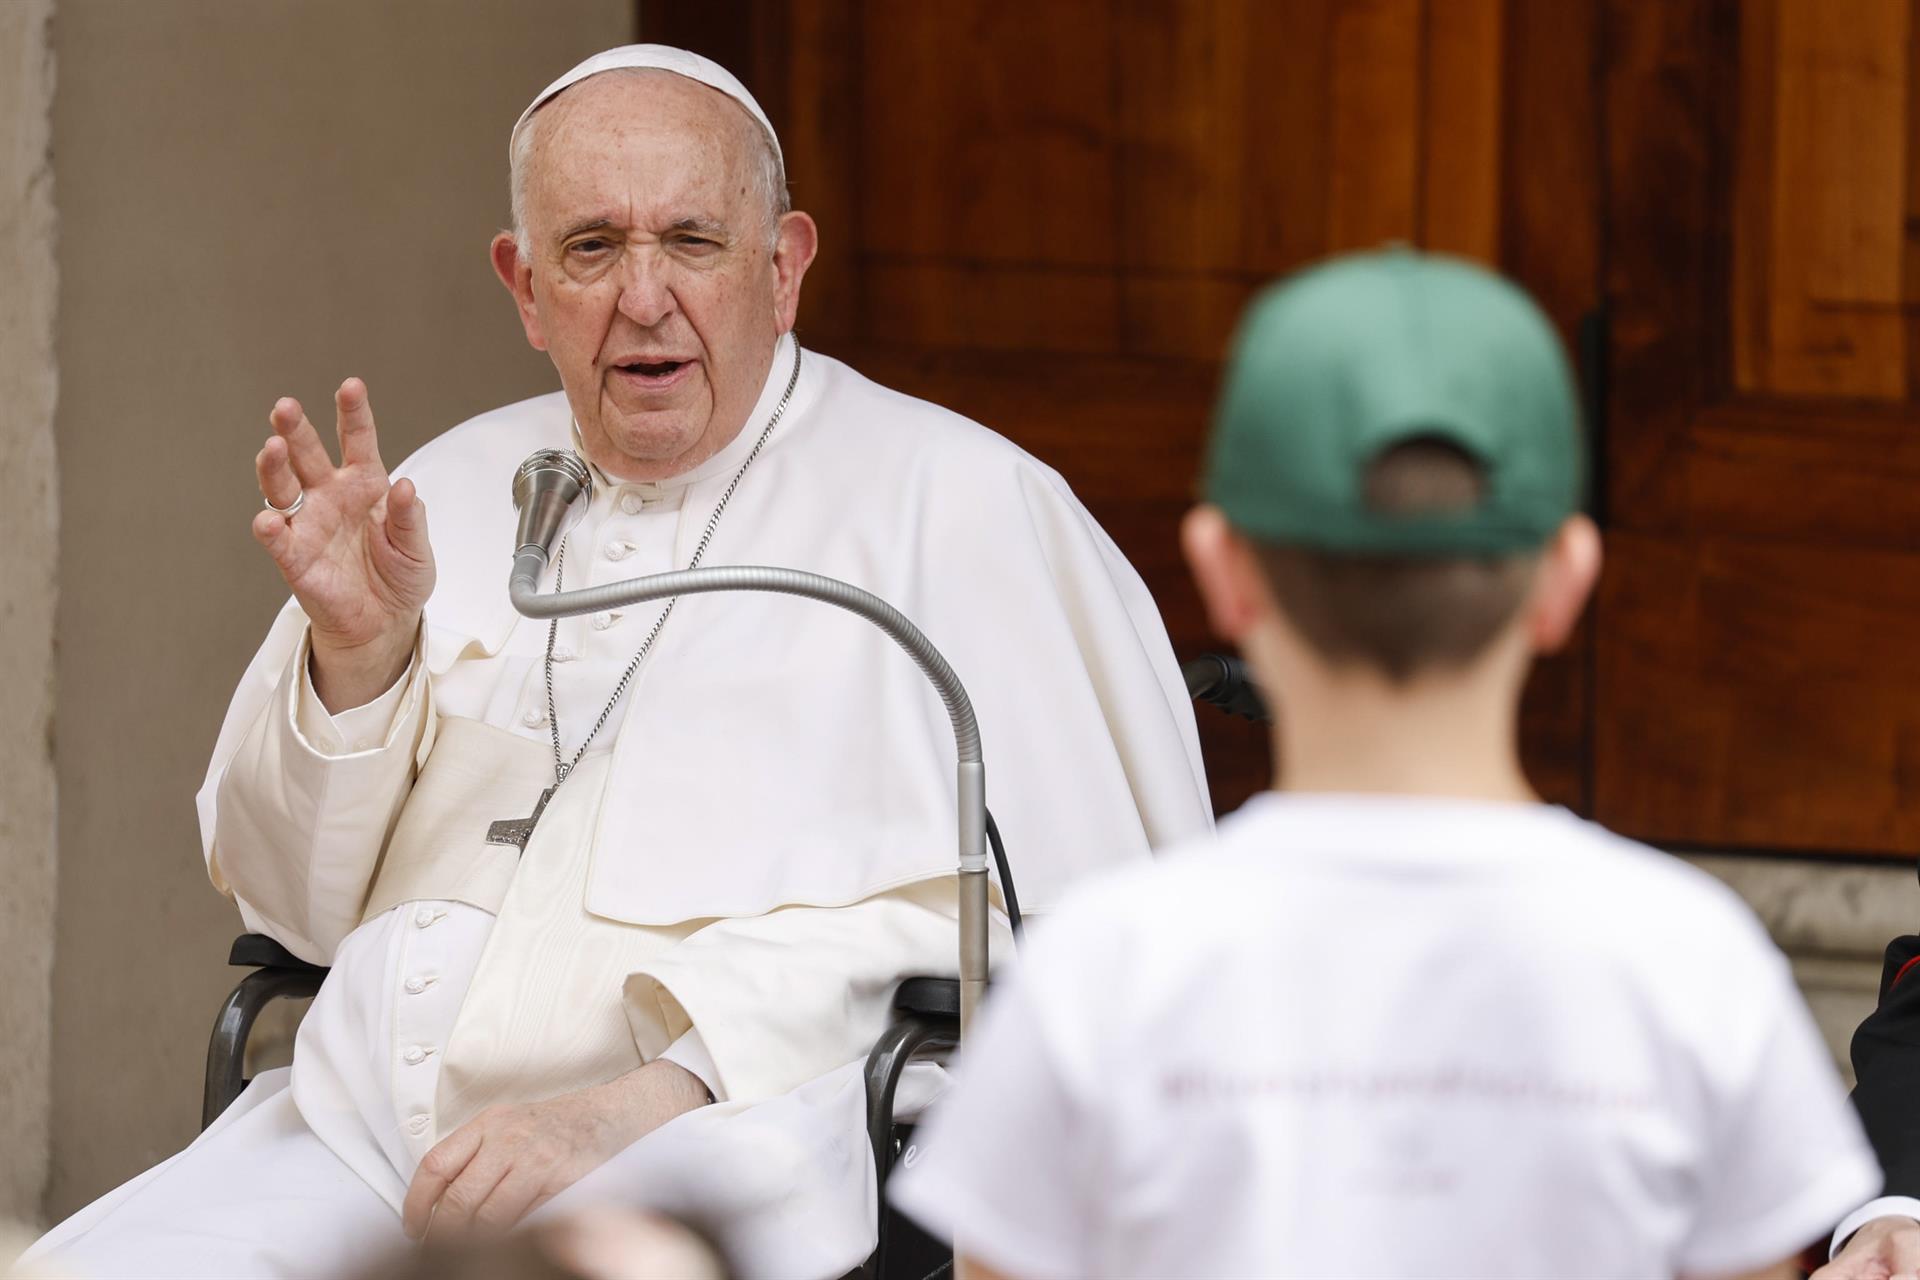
pixel 759 846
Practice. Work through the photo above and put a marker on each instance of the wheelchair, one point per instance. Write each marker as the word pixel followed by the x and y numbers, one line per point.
pixel 926 1024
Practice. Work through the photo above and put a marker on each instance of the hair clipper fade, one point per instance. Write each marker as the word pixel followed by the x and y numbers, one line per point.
pixel 1402 615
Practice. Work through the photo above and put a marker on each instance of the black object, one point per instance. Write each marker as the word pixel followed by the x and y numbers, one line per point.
pixel 1225 683
pixel 1886 1062
pixel 928 1023
pixel 1591 344
pixel 1006 880
pixel 277 972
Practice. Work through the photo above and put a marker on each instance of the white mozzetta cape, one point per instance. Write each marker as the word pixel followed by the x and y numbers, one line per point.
pixel 781 752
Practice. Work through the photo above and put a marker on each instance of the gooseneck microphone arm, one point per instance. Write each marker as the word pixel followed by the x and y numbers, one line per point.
pixel 523 587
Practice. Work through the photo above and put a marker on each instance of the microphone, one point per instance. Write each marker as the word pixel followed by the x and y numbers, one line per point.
pixel 551 491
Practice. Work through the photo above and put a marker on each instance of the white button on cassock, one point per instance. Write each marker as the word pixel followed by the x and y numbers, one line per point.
pixel 417 1125
pixel 632 503
pixel 601 621
pixel 620 550
pixel 416 985
pixel 424 917
pixel 414 1055
pixel 534 719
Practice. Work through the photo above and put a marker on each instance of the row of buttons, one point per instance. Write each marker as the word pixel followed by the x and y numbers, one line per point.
pixel 534 716
pixel 423 918
pixel 632 503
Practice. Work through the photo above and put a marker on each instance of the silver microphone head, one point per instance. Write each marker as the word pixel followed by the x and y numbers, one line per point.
pixel 551 491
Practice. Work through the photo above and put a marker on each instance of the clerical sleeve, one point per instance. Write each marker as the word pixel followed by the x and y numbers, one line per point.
pixel 306 804
pixel 782 998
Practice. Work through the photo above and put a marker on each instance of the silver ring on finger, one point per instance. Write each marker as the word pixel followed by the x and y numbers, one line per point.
pixel 292 507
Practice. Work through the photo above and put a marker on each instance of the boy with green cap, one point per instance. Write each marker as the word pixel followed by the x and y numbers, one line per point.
pixel 1401 1018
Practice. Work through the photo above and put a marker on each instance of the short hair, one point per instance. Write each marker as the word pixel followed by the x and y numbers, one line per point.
pixel 1403 616
pixel 769 171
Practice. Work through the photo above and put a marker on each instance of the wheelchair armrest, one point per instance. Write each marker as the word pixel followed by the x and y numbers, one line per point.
pixel 258 951
pixel 928 1022
pixel 277 974
pixel 913 1034
pixel 928 997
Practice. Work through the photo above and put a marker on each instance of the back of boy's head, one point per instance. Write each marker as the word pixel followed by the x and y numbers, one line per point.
pixel 1398 439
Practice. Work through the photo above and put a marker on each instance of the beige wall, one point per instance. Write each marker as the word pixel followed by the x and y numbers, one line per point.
pixel 27 524
pixel 258 198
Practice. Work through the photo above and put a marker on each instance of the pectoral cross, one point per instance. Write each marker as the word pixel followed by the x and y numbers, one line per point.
pixel 517 831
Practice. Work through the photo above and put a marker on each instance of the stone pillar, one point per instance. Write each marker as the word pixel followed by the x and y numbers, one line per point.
pixel 28 513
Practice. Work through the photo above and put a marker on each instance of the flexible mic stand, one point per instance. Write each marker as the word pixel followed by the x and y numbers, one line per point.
pixel 532 493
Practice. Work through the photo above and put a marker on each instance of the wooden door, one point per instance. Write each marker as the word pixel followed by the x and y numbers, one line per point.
pixel 1755 678
pixel 1048 215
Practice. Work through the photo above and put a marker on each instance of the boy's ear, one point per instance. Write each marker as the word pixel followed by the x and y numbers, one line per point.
pixel 1225 570
pixel 1569 567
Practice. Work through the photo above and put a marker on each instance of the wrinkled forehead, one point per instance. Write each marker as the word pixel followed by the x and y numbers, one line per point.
pixel 641 134
pixel 641 97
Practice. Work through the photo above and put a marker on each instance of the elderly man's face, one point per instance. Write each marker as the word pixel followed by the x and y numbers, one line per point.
pixel 653 274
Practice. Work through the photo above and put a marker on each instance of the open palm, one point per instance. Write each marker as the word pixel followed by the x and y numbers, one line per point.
pixel 356 555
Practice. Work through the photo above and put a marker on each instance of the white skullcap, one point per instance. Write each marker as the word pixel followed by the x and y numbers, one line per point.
pixel 662 57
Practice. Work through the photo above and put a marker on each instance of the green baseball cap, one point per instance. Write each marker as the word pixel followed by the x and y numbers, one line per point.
pixel 1335 365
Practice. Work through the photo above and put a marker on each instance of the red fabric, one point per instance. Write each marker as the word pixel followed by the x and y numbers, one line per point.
pixel 1901 972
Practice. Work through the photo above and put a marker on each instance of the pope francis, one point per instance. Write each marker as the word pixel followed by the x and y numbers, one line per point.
pixel 659 992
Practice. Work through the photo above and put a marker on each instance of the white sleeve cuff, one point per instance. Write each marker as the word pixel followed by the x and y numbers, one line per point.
pixel 689 1052
pixel 363 728
pixel 1884 1207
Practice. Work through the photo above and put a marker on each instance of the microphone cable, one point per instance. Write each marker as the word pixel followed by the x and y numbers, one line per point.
pixel 1006 881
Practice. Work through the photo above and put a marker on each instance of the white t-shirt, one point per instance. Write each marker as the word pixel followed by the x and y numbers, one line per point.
pixel 1393 1036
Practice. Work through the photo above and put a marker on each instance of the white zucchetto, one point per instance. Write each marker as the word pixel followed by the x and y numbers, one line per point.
pixel 660 57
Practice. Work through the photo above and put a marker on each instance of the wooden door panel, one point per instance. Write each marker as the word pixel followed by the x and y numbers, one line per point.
pixel 1222 139
pixel 1759 694
pixel 1820 200
pixel 1753 666
pixel 1779 470
pixel 987 133
pixel 961 306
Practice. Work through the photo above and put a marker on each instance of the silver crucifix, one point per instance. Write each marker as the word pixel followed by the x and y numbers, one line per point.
pixel 517 831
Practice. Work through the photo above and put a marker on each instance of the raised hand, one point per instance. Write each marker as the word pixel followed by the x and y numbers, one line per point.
pixel 355 555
